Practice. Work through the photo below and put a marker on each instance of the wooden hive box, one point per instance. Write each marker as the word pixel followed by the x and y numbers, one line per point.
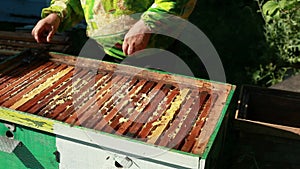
pixel 276 111
pixel 268 122
pixel 60 111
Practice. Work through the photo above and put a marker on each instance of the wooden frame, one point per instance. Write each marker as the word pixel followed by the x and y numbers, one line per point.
pixel 216 111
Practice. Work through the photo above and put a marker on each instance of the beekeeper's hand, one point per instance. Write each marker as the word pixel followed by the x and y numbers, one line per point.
pixel 45 29
pixel 137 38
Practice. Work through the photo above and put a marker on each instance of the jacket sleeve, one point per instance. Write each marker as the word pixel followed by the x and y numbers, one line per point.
pixel 69 11
pixel 162 10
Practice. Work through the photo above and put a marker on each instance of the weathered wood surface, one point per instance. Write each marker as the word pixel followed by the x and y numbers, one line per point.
pixel 158 108
pixel 27 37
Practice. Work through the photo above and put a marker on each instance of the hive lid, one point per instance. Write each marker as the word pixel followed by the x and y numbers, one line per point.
pixel 268 111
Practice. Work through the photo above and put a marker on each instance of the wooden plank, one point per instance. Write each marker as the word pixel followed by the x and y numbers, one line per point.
pixel 12 68
pixel 139 110
pixel 65 100
pixel 148 112
pixel 94 106
pixel 217 102
pixel 9 52
pixel 25 120
pixel 18 86
pixel 91 102
pixel 43 103
pixel 165 120
pixel 191 138
pixel 23 36
pixel 18 75
pixel 263 128
pixel 40 96
pixel 114 83
pixel 146 74
pixel 77 95
pixel 65 91
pixel 123 103
pixel 46 82
pixel 154 119
pixel 134 108
pixel 15 59
pixel 170 134
pixel 83 96
pixel 33 45
pixel 188 123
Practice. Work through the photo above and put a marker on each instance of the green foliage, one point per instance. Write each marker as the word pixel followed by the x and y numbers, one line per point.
pixel 236 31
pixel 282 25
pixel 270 74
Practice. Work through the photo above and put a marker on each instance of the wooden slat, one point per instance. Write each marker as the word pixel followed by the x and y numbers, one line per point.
pixel 191 139
pixel 18 75
pixel 69 109
pixel 41 96
pixel 126 111
pixel 14 59
pixel 94 107
pixel 122 104
pixel 141 73
pixel 23 36
pixel 189 121
pixel 165 120
pixel 135 107
pixel 8 52
pixel 90 103
pixel 169 135
pixel 79 105
pixel 46 81
pixel 68 100
pixel 160 109
pixel 33 45
pixel 60 102
pixel 15 89
pixel 148 112
pixel 116 85
pixel 154 119
pixel 43 103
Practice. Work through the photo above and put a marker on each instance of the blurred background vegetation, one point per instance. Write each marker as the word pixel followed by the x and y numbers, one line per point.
pixel 236 29
pixel 258 41
pixel 282 23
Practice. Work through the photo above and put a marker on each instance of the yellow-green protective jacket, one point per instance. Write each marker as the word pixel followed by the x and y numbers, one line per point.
pixel 109 20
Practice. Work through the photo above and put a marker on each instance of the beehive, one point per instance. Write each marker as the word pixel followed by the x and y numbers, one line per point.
pixel 133 113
